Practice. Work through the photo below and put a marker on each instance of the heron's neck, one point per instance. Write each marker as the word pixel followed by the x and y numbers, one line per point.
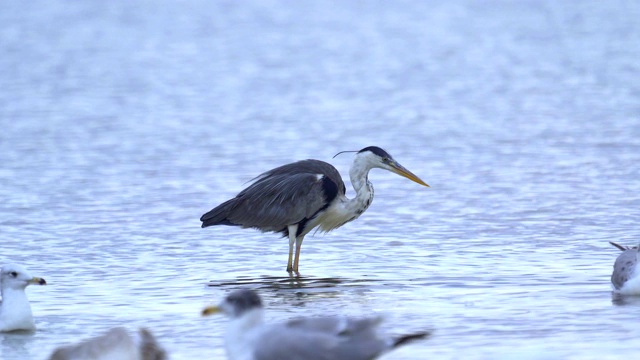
pixel 364 190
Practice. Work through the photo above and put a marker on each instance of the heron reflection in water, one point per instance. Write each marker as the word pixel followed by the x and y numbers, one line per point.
pixel 295 198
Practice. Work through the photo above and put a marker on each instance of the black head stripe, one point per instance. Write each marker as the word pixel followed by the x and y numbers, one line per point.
pixel 376 150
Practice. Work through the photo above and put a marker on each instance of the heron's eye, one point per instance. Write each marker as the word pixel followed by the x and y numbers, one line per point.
pixel 14 274
pixel 385 159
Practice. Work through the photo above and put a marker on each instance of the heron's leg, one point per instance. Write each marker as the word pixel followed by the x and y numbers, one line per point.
pixel 297 259
pixel 293 229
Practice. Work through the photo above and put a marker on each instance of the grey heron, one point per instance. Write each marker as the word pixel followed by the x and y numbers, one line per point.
pixel 15 311
pixel 310 338
pixel 295 198
pixel 626 272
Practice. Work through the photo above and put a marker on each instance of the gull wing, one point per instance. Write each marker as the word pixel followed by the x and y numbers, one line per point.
pixel 322 338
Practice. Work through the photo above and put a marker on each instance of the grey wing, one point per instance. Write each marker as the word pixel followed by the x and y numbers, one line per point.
pixel 337 325
pixel 309 166
pixel 624 267
pixel 286 195
pixel 116 343
pixel 309 340
pixel 278 200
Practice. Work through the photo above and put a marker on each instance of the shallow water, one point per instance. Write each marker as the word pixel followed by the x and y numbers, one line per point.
pixel 123 122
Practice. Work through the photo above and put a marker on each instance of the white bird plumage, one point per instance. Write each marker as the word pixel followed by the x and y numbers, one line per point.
pixel 15 310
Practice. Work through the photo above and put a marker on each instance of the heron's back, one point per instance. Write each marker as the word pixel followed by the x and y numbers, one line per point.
pixel 309 166
pixel 289 194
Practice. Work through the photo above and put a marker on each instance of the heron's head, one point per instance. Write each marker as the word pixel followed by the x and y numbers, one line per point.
pixel 14 276
pixel 236 304
pixel 376 157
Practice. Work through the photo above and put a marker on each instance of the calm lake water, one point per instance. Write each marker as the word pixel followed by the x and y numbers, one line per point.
pixel 123 122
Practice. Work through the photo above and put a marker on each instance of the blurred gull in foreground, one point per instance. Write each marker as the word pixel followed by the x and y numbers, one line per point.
pixel 626 273
pixel 321 338
pixel 15 311
pixel 117 344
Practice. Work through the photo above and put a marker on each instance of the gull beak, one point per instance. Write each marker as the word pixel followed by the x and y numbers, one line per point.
pixel 402 171
pixel 210 310
pixel 37 281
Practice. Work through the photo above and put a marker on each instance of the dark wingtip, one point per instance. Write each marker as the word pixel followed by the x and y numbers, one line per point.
pixel 42 282
pixel 213 222
pixel 205 222
pixel 617 245
pixel 405 339
pixel 624 248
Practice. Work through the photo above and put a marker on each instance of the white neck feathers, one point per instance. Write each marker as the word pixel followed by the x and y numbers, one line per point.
pixel 241 334
pixel 15 311
pixel 359 175
pixel 345 210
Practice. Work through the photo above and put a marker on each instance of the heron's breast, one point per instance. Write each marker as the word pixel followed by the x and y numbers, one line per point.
pixel 334 216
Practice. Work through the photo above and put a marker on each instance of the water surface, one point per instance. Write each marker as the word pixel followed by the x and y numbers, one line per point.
pixel 123 122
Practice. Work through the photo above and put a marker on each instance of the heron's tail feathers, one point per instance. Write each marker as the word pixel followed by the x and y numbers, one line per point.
pixel 405 339
pixel 218 215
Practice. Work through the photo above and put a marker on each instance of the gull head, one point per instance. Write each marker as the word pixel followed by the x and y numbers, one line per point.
pixel 15 311
pixel 236 304
pixel 16 277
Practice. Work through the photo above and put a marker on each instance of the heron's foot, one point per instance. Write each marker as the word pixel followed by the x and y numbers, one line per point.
pixel 293 272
